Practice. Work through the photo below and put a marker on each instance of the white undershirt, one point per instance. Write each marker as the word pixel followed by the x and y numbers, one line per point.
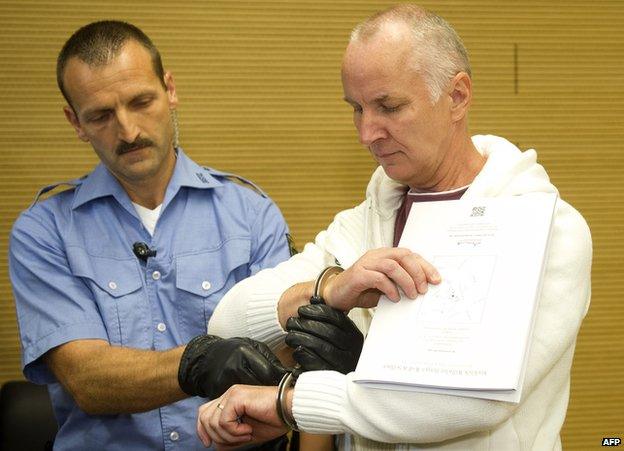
pixel 148 217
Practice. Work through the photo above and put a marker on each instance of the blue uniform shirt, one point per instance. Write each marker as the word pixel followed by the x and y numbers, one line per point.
pixel 75 277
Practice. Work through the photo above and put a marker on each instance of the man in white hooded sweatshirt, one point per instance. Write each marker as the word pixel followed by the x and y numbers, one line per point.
pixel 407 75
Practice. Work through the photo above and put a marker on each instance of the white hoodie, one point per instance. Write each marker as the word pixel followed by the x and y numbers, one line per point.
pixel 328 402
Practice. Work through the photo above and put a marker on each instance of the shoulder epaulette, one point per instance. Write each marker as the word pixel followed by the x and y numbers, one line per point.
pixel 237 179
pixel 46 189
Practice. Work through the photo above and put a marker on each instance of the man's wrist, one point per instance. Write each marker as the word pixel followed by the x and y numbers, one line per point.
pixel 289 396
pixel 322 283
pixel 293 298
pixel 283 402
pixel 328 289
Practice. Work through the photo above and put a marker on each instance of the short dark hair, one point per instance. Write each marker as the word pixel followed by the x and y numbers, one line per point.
pixel 98 43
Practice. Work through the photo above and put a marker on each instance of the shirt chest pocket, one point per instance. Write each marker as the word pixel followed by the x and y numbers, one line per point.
pixel 116 285
pixel 203 278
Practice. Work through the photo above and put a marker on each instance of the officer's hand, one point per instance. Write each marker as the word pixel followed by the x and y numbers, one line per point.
pixel 210 365
pixel 324 338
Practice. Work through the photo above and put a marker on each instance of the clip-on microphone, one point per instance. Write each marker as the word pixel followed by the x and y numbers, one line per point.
pixel 142 251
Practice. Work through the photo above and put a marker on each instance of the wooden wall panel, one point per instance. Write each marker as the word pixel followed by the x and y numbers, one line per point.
pixel 260 95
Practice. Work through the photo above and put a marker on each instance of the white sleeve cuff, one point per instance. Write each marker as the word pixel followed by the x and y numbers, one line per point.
pixel 262 319
pixel 249 309
pixel 318 402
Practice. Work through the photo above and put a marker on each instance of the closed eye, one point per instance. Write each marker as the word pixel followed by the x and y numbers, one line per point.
pixel 390 109
pixel 142 102
pixel 99 118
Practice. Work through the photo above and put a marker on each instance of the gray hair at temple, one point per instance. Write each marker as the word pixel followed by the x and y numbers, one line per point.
pixel 439 53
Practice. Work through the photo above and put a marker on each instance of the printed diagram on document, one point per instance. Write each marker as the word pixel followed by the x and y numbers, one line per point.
pixel 462 295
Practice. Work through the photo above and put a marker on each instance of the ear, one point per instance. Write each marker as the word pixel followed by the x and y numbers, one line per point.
pixel 461 95
pixel 171 90
pixel 70 114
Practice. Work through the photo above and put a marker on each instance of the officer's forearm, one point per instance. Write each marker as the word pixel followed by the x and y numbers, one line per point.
pixel 106 379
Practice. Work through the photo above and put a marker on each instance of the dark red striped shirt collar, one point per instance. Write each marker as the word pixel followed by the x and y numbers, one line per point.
pixel 414 196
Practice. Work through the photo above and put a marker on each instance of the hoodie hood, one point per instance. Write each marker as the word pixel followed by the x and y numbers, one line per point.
pixel 507 172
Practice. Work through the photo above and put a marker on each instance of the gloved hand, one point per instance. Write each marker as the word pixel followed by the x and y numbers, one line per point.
pixel 324 338
pixel 210 365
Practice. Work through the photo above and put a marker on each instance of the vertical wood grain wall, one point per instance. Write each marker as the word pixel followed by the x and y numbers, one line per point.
pixel 260 95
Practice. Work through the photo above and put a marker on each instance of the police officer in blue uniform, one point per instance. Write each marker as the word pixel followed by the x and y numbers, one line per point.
pixel 115 278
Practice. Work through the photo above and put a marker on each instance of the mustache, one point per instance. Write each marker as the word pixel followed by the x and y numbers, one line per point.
pixel 138 143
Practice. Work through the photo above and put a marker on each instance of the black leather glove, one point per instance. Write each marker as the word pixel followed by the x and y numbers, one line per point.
pixel 210 365
pixel 324 338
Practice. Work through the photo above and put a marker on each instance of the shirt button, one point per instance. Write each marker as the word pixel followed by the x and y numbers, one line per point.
pixel 174 436
pixel 112 285
pixel 156 275
pixel 206 285
pixel 161 327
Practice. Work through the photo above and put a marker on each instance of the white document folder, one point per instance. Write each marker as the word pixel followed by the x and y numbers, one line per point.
pixel 470 335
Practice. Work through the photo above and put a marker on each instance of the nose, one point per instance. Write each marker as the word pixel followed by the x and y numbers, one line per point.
pixel 128 130
pixel 369 129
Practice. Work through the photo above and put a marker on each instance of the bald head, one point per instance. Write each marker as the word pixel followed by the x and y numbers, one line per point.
pixel 432 47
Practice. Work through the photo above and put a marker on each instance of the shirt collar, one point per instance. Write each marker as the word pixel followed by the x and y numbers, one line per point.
pixel 101 183
pixel 189 174
pixel 416 193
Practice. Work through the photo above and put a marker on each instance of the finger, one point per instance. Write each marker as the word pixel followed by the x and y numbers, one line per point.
pixel 408 256
pixel 322 312
pixel 409 271
pixel 260 370
pixel 421 271
pixel 377 279
pixel 232 423
pixel 319 345
pixel 311 361
pixel 433 276
pixel 326 332
pixel 201 432
pixel 203 436
pixel 263 349
pixel 213 429
pixel 219 432
pixel 241 433
pixel 369 298
pixel 405 279
pixel 330 315
pixel 239 372
pixel 209 419
pixel 266 352
pixel 302 329
pixel 213 417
